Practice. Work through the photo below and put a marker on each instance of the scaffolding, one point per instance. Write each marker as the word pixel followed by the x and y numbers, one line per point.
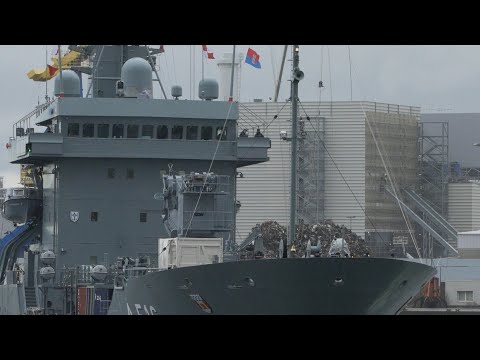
pixel 433 165
pixel 433 178
pixel 396 139
pixel 311 171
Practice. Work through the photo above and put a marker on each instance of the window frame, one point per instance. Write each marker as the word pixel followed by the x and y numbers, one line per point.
pixel 176 127
pixel 219 134
pixel 133 126
pixel 163 126
pixel 113 131
pixel 202 137
pixel 152 131
pixel 90 125
pixel 108 131
pixel 465 297
pixel 188 127
pixel 71 125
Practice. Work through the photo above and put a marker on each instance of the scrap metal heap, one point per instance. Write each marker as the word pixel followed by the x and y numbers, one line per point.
pixel 324 232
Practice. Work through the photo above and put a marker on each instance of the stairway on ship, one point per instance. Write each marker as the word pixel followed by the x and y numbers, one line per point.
pixel 30 297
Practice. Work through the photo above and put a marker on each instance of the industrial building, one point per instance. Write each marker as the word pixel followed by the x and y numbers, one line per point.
pixel 343 147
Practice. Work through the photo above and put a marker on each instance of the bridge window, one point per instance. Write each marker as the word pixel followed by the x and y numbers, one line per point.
pixel 162 132
pixel 111 173
pixel 143 217
pixel 88 130
pixel 94 216
pixel 130 174
pixel 177 132
pixel 465 296
pixel 132 131
pixel 73 130
pixel 147 131
pixel 117 131
pixel 103 130
pixel 220 135
pixel 192 132
pixel 207 133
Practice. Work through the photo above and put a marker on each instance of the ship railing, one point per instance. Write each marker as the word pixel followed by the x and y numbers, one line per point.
pixel 134 272
pixel 195 183
pixel 215 220
pixel 34 310
pixel 82 276
pixel 24 122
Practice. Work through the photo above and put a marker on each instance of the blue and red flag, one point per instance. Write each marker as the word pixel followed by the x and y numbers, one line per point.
pixel 253 59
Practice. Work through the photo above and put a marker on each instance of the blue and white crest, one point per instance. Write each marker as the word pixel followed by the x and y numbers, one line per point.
pixel 74 215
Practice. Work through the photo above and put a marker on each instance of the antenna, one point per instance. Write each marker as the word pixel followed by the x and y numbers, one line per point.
pixel 46 66
pixel 230 99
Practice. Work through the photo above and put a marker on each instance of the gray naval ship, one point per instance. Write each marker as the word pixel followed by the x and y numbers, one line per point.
pixel 138 209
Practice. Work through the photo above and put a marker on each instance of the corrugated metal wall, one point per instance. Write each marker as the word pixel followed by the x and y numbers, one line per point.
pixel 469 241
pixel 264 190
pixel 464 206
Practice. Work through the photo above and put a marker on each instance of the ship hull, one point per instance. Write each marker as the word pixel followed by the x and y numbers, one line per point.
pixel 322 286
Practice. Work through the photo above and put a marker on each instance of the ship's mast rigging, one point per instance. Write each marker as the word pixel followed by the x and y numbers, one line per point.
pixel 297 75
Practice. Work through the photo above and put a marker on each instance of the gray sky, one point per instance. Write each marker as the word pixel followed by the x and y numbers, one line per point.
pixel 437 76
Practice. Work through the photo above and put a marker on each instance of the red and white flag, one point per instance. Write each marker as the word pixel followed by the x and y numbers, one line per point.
pixel 207 53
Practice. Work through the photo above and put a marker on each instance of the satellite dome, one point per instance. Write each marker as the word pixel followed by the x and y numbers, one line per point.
pixel 137 77
pixel 176 91
pixel 99 272
pixel 208 89
pixel 47 257
pixel 71 84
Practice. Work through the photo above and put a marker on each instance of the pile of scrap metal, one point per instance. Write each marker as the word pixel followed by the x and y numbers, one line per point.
pixel 319 234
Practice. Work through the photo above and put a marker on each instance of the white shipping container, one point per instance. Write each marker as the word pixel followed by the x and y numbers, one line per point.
pixel 182 252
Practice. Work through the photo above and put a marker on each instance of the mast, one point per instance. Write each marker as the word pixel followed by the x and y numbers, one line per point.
pixel 46 66
pixel 297 75
pixel 60 66
pixel 230 99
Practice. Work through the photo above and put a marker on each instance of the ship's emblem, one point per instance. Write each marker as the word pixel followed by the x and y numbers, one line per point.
pixel 201 303
pixel 74 215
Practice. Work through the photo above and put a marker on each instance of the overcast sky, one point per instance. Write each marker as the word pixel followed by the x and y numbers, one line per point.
pixel 433 77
